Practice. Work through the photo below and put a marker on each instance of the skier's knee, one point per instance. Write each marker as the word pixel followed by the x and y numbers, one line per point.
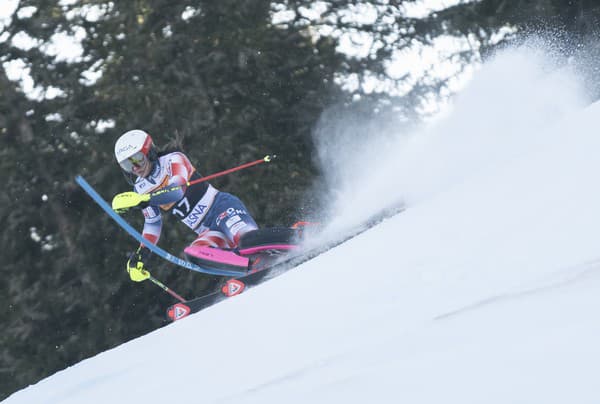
pixel 212 238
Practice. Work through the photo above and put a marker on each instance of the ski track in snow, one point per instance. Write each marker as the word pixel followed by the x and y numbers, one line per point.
pixel 280 381
pixel 564 278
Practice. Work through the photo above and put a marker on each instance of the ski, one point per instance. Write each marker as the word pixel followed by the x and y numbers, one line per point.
pixel 237 285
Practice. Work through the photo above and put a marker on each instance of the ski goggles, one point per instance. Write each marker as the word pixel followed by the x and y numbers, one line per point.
pixel 135 161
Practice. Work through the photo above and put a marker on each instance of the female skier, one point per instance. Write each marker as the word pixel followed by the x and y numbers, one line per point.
pixel 218 218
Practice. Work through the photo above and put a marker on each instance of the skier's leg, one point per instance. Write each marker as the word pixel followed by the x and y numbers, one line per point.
pixel 230 217
pixel 212 249
pixel 211 238
pixel 224 224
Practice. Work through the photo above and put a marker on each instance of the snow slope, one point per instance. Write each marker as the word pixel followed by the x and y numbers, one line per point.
pixel 484 290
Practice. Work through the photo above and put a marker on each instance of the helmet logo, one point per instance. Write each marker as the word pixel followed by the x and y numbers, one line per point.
pixel 126 148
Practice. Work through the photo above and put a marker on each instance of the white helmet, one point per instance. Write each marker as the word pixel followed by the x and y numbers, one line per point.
pixel 132 148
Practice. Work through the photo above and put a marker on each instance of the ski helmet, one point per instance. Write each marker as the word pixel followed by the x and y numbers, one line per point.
pixel 133 149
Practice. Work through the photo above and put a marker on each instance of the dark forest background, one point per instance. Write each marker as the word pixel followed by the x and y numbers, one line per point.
pixel 231 85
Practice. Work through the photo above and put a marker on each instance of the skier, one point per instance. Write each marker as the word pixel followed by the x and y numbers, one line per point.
pixel 218 218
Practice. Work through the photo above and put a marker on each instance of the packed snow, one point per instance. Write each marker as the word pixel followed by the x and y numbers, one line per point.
pixel 483 290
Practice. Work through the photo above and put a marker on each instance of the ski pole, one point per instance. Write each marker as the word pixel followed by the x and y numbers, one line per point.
pixel 265 159
pixel 166 289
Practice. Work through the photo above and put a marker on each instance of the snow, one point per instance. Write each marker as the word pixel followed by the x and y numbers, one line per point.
pixel 484 290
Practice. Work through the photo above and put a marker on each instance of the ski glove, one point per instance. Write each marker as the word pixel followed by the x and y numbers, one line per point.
pixel 136 264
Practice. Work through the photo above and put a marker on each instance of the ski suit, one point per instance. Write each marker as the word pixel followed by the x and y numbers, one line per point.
pixel 219 218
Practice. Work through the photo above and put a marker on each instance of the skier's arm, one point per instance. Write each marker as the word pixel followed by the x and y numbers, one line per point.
pixel 180 170
pixel 152 224
pixel 136 264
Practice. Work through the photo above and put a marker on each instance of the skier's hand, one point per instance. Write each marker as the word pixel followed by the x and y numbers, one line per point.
pixel 125 201
pixel 136 264
pixel 137 273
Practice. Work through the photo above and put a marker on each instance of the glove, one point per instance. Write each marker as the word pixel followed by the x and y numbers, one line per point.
pixel 125 201
pixel 138 273
pixel 136 264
